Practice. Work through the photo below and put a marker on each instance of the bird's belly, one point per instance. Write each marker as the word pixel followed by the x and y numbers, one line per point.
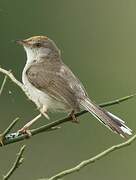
pixel 43 99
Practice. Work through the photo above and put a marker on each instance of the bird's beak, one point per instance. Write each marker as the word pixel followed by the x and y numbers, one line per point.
pixel 21 42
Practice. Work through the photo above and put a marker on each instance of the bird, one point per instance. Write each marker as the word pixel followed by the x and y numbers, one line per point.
pixel 53 87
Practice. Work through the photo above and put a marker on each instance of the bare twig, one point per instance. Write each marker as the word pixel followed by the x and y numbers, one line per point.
pixel 117 101
pixel 13 79
pixel 7 130
pixel 10 127
pixel 3 84
pixel 17 163
pixel 92 160
pixel 16 137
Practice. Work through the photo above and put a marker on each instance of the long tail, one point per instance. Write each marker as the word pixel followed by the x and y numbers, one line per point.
pixel 108 119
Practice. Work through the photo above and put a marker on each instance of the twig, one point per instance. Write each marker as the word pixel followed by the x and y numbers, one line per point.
pixel 13 79
pixel 3 84
pixel 15 137
pixel 10 127
pixel 17 163
pixel 92 160
pixel 117 101
pixel 7 130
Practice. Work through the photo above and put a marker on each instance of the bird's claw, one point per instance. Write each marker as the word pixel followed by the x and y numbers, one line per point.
pixel 74 118
pixel 25 131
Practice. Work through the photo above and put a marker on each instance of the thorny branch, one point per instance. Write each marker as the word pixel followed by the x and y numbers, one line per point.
pixel 15 137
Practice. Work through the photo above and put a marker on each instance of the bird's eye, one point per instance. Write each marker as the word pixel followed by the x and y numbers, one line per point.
pixel 37 44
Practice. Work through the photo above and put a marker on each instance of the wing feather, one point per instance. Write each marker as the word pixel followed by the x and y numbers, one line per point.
pixel 58 82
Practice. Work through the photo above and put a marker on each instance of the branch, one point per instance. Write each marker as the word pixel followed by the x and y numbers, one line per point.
pixel 91 160
pixel 3 84
pixel 17 163
pixel 15 137
pixel 14 80
pixel 7 130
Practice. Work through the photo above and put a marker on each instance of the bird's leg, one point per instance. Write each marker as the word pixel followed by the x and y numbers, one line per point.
pixel 25 128
pixel 74 118
pixel 43 111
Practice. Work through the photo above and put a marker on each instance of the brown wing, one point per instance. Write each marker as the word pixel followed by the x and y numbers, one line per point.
pixel 57 80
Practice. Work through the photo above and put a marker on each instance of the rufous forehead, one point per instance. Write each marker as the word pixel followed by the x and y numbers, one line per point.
pixel 37 38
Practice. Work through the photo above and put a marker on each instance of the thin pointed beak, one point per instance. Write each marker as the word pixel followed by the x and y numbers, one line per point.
pixel 20 42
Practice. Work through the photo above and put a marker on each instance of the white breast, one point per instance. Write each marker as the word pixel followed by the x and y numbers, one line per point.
pixel 39 97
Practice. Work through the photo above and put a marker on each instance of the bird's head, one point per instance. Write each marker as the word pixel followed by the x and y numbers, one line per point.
pixel 39 46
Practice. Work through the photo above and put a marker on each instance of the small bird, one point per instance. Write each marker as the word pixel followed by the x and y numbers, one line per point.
pixel 53 86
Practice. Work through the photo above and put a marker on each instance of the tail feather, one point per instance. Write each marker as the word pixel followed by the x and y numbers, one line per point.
pixel 111 121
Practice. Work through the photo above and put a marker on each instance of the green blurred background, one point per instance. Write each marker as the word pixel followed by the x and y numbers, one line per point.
pixel 98 41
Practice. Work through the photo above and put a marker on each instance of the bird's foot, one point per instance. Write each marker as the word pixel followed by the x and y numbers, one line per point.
pixel 73 117
pixel 25 130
